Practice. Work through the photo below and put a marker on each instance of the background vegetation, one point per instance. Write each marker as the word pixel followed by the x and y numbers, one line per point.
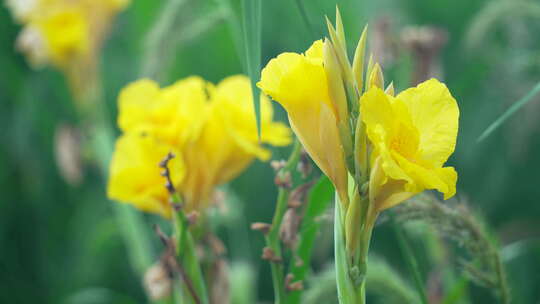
pixel 59 241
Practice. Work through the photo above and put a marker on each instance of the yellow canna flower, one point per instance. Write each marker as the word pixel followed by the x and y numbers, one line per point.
pixel 413 135
pixel 299 83
pixel 210 128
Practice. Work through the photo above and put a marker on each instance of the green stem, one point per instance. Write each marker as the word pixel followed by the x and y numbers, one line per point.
pixel 411 261
pixel 504 292
pixel 187 255
pixel 252 13
pixel 272 238
pixel 273 242
pixel 352 248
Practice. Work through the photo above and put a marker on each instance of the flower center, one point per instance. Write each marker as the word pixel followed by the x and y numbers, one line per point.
pixel 406 141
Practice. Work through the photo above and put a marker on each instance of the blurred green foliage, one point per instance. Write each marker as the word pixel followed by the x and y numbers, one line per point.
pixel 60 244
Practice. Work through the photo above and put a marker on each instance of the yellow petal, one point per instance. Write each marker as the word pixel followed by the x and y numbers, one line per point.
pixel 134 175
pixel 390 195
pixel 332 156
pixel 227 141
pixel 435 114
pixel 214 157
pixel 284 79
pixel 440 179
pixel 315 51
pixel 66 34
pixel 317 131
pixel 134 103
pixel 234 102
pixel 449 176
pixel 378 114
pixel 168 113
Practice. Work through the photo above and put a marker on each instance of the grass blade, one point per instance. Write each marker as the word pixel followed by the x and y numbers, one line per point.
pixel 305 18
pixel 252 12
pixel 235 27
pixel 513 109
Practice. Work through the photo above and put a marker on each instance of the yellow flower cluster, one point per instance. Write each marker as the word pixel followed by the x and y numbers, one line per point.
pixel 411 135
pixel 210 128
pixel 378 149
pixel 63 32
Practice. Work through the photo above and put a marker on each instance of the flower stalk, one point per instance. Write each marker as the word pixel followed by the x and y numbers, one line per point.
pixel 185 246
pixel 272 237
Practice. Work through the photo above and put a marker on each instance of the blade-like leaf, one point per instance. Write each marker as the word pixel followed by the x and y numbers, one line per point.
pixel 252 12
pixel 513 109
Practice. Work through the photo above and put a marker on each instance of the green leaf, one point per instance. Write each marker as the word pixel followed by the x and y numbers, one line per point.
pixel 252 12
pixel 319 199
pixel 513 109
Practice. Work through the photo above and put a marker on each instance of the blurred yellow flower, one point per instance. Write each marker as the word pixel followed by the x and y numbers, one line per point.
pixel 413 135
pixel 210 128
pixel 63 32
pixel 165 113
pixel 66 34
pixel 299 83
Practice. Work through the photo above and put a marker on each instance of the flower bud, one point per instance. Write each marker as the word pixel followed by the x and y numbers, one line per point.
pixel 358 61
pixel 338 99
pixel 376 77
pixel 390 89
pixel 334 80
pixel 338 40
